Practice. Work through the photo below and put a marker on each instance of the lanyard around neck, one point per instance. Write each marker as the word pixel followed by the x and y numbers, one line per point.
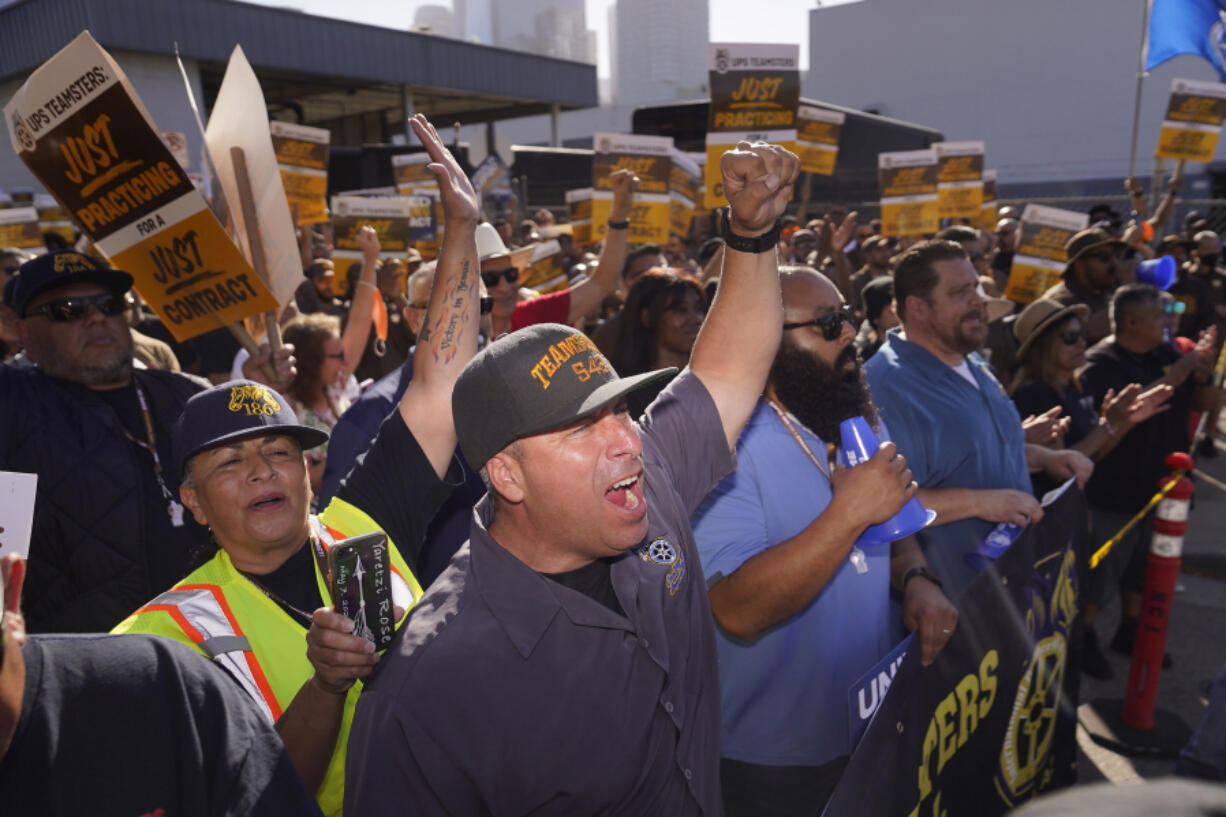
pixel 788 423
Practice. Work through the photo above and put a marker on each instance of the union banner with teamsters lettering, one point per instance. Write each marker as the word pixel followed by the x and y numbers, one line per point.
pixel 80 128
pixel 991 723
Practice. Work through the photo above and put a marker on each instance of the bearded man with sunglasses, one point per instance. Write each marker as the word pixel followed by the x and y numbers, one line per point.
pixel 777 539
pixel 109 531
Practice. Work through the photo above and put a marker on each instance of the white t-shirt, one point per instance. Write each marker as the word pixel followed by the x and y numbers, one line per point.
pixel 964 369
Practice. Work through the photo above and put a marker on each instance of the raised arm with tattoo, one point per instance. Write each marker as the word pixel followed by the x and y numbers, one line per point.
pixel 736 345
pixel 311 723
pixel 448 340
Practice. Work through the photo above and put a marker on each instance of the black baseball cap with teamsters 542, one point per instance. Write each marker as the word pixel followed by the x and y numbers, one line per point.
pixel 540 377
pixel 60 268
pixel 234 411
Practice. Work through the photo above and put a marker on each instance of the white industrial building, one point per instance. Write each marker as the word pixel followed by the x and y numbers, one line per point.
pixel 1048 84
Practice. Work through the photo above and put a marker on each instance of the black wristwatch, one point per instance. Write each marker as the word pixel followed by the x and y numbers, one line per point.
pixel 919 571
pixel 619 225
pixel 756 244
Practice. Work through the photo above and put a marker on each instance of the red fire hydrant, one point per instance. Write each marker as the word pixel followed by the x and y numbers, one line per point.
pixel 1170 525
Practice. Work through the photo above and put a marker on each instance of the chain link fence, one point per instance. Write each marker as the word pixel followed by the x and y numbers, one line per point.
pixel 1213 211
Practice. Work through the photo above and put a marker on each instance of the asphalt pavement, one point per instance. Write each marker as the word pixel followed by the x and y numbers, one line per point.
pixel 1196 642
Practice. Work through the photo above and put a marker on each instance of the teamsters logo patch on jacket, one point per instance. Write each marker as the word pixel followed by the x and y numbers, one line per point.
pixel 661 552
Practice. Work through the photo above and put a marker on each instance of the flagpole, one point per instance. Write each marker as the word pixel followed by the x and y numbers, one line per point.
pixel 1136 105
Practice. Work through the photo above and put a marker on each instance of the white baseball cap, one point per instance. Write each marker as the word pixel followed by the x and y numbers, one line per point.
pixel 489 243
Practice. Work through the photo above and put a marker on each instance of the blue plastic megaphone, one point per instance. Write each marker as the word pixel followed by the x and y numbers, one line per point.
pixel 859 444
pixel 1157 272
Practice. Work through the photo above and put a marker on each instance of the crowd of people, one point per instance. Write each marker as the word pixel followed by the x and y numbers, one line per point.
pixel 629 574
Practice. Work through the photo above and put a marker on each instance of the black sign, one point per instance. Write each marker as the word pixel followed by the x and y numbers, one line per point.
pixel 991 723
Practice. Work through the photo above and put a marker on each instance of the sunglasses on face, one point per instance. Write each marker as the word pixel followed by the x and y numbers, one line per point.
pixel 487 304
pixel 1175 308
pixel 1102 257
pixel 492 277
pixel 1070 337
pixel 76 307
pixel 831 323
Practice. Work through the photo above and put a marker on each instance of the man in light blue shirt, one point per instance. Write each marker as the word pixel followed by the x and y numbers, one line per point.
pixel 951 417
pixel 802 611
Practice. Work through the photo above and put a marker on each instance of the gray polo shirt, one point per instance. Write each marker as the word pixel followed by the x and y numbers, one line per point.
pixel 507 693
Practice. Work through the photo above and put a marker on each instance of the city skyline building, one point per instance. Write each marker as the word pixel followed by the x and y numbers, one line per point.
pixel 435 19
pixel 551 28
pixel 658 50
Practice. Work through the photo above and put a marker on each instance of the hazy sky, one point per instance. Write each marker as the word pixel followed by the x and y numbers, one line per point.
pixel 787 20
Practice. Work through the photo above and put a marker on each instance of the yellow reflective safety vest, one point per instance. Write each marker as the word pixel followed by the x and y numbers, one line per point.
pixel 221 614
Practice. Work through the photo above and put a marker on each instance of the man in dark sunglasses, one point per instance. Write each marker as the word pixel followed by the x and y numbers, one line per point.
pixel 1089 278
pixel 777 539
pixel 109 531
pixel 515 308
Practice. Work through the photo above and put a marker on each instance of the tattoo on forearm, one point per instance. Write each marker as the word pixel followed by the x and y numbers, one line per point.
pixel 447 328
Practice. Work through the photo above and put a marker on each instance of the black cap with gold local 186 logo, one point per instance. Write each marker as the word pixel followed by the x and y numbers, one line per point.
pixel 61 268
pixel 537 378
pixel 233 411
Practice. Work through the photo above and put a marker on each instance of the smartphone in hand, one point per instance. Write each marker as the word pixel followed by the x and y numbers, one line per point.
pixel 361 586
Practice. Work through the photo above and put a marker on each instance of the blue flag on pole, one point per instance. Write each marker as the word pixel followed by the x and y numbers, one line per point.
pixel 1187 27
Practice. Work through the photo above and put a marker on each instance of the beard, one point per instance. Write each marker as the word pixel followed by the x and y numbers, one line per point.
pixel 113 368
pixel 820 395
pixel 966 343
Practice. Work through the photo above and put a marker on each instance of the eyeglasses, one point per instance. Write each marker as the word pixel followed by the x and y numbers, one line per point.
pixel 76 307
pixel 487 304
pixel 1175 308
pixel 492 277
pixel 831 323
pixel 1102 256
pixel 1071 336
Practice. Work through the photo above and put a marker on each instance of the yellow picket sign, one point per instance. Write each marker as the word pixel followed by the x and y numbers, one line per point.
pixel 1041 258
pixel 959 179
pixel 302 156
pixel 80 128
pixel 411 174
pixel 1193 120
pixel 19 228
pixel 579 211
pixel 389 217
pixel 817 138
pixel 908 181
pixel 755 91
pixel 650 159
